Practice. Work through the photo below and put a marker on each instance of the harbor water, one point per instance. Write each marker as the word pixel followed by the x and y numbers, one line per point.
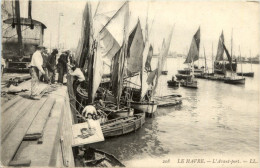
pixel 217 119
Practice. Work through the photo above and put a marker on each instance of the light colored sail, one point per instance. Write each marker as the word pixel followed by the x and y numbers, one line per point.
pixel 106 44
pixel 162 58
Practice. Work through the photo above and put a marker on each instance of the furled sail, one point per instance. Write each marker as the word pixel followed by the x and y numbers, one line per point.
pixel 135 50
pixel 193 54
pixel 162 57
pixel 220 51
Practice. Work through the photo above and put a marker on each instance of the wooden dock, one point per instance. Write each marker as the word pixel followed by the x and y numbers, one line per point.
pixel 37 132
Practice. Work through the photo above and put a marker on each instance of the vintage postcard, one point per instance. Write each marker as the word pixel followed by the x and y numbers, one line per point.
pixel 134 83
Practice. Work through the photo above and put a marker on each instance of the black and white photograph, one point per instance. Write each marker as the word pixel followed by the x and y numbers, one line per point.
pixel 130 83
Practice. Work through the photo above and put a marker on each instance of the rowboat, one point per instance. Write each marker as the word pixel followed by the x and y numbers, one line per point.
pixel 97 158
pixel 164 72
pixel 123 125
pixel 173 83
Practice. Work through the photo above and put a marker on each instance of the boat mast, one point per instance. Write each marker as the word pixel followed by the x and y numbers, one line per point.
pixel 212 59
pixel 240 61
pixel 231 67
pixel 251 62
pixel 18 27
pixel 205 59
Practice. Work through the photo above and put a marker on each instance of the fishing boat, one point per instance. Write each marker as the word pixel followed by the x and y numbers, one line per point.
pixel 187 80
pixel 139 60
pixel 185 71
pixel 189 83
pixel 182 76
pixel 173 82
pixel 123 125
pixel 248 74
pixel 96 43
pixel 97 158
pixel 233 79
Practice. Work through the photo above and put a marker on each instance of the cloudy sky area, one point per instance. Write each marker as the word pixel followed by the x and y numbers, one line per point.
pixel 212 17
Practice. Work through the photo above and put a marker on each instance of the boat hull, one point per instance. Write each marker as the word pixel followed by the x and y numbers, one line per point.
pixel 184 72
pixel 248 74
pixel 145 106
pixel 123 113
pixel 182 76
pixel 164 72
pixel 124 127
pixel 193 84
pixel 235 81
pixel 173 83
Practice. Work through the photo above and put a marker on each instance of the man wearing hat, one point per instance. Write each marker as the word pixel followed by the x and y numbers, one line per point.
pixel 45 55
pixel 36 66
pixel 51 65
pixel 62 66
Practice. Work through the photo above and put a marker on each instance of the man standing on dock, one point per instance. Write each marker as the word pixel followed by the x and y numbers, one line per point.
pixel 51 65
pixel 45 77
pixel 36 66
pixel 62 66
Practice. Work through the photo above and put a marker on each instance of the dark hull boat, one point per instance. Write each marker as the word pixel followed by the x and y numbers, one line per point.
pixel 190 84
pixel 185 71
pixel 173 83
pixel 123 125
pixel 182 76
pixel 164 72
pixel 235 80
pixel 248 74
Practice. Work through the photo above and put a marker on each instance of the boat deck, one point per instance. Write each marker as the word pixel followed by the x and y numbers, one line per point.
pixel 33 132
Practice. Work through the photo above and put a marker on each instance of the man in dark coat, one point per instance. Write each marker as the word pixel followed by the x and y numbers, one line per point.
pixel 51 65
pixel 44 77
pixel 62 66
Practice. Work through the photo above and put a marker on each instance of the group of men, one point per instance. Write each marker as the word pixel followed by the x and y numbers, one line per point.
pixel 43 67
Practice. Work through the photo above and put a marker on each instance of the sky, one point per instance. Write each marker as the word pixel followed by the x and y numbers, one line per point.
pixel 186 17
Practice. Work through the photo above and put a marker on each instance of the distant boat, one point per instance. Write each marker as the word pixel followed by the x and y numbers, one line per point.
pixel 189 83
pixel 234 79
pixel 192 56
pixel 248 74
pixel 221 65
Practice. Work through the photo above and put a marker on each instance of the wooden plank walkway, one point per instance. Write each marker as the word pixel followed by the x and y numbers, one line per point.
pixel 49 118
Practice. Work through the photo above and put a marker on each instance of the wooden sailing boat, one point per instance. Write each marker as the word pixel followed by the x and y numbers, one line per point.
pixel 248 74
pixel 234 79
pixel 107 43
pixel 142 98
pixel 220 65
pixel 193 56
